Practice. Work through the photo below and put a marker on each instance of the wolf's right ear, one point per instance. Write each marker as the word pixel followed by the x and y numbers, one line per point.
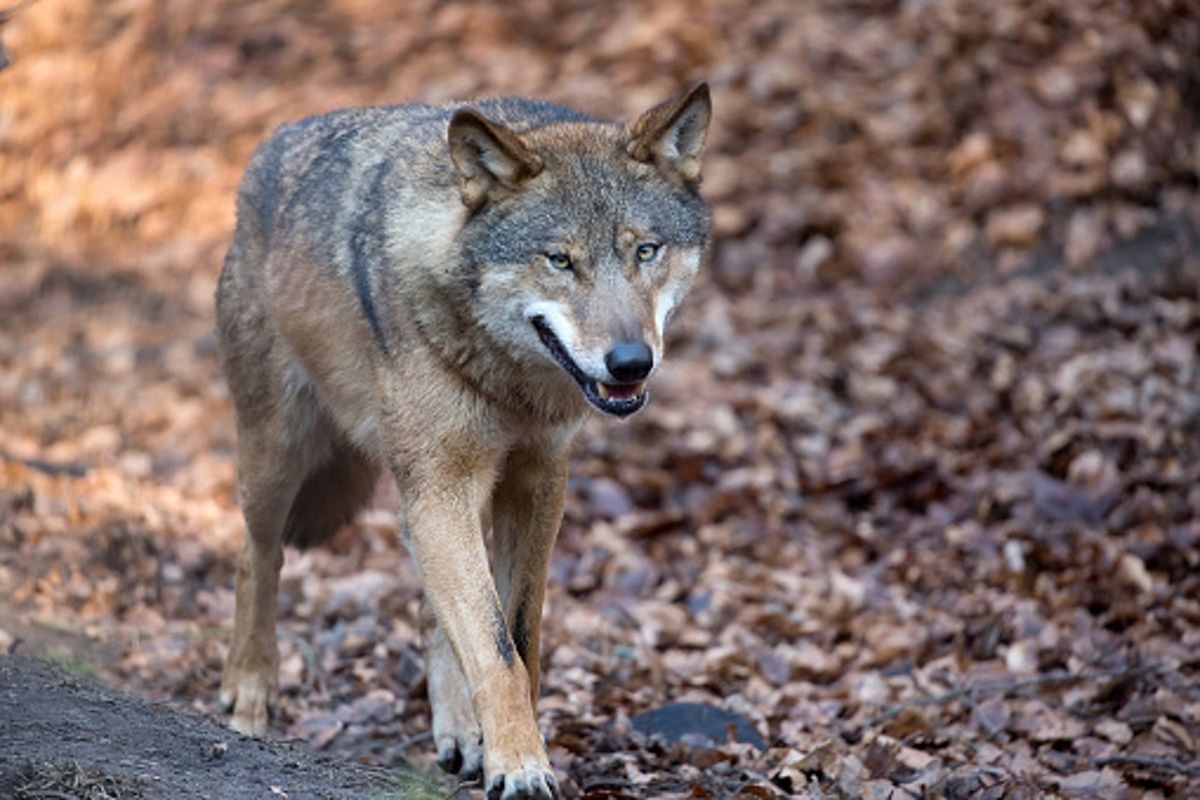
pixel 489 157
pixel 672 134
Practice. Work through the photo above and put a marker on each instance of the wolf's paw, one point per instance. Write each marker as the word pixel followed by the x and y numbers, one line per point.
pixel 527 783
pixel 251 697
pixel 461 754
pixel 456 731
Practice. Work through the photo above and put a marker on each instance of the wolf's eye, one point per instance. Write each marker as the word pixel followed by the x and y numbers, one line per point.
pixel 560 261
pixel 647 252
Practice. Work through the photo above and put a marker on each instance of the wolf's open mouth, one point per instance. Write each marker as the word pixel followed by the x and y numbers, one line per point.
pixel 618 399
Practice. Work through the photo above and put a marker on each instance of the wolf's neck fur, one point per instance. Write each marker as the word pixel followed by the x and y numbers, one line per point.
pixel 532 392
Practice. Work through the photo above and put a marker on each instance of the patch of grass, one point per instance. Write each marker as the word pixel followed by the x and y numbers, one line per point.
pixel 76 665
pixel 67 780
pixel 408 784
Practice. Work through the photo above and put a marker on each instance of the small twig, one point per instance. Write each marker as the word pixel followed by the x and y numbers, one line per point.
pixel 899 708
pixel 47 467
pixel 989 727
pixel 307 653
pixel 1148 761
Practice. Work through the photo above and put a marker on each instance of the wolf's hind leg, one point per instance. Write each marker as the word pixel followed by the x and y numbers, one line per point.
pixel 298 487
pixel 267 485
pixel 283 436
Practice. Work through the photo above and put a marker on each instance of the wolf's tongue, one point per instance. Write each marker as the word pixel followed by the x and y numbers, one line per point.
pixel 620 391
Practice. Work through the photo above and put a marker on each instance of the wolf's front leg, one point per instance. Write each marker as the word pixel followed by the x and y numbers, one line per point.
pixel 528 508
pixel 444 496
pixel 456 733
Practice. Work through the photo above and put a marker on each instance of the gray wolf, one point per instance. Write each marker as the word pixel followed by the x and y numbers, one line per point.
pixel 442 293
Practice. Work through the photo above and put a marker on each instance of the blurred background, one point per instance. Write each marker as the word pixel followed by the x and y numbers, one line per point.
pixel 917 492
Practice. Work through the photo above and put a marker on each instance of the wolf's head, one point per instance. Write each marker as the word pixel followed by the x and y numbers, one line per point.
pixel 583 236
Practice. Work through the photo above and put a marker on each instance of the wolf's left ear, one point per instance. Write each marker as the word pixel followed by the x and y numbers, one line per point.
pixel 672 133
pixel 489 157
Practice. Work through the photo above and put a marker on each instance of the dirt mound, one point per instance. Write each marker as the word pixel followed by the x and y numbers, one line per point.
pixel 65 736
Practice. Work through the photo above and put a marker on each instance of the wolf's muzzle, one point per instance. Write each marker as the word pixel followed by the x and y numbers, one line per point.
pixel 619 399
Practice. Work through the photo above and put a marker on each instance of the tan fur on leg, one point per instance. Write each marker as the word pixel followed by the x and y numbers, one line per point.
pixel 528 509
pixel 250 681
pixel 456 733
pixel 447 486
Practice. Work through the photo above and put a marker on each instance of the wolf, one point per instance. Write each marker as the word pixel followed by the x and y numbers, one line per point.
pixel 442 293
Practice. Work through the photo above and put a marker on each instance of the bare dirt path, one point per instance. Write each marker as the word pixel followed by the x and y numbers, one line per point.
pixel 68 736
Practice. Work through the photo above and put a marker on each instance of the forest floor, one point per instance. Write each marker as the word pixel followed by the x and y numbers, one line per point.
pixel 917 494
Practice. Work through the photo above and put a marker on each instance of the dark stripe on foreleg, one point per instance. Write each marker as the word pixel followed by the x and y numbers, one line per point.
pixel 520 628
pixel 504 642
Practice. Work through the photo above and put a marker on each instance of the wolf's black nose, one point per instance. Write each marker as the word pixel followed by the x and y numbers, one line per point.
pixel 629 361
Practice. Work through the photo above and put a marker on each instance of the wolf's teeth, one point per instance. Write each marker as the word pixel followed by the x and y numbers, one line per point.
pixel 620 391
